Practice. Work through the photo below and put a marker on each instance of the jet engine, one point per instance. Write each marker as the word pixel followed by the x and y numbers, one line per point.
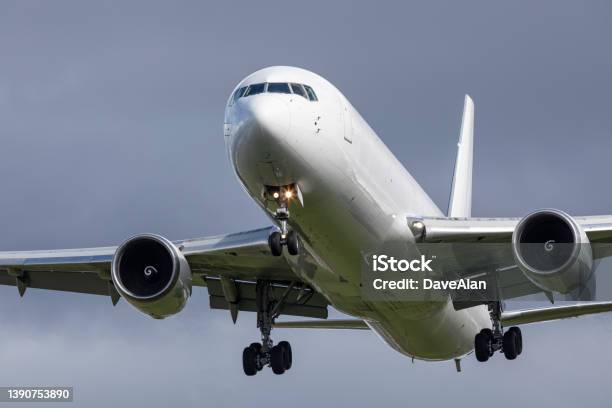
pixel 552 250
pixel 152 274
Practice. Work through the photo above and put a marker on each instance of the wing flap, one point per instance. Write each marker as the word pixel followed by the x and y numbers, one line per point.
pixel 350 324
pixel 298 301
pixel 79 282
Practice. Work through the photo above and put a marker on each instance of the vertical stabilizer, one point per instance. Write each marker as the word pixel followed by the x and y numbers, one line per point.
pixel 460 204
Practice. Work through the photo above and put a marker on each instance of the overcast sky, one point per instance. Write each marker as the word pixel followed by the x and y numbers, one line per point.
pixel 111 124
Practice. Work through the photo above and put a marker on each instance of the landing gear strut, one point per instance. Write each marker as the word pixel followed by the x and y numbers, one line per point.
pixel 258 355
pixel 488 341
pixel 284 237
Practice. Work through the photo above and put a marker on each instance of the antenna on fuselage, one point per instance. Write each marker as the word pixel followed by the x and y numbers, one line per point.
pixel 460 203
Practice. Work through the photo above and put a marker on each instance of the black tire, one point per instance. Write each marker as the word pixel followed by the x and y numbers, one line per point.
pixel 293 245
pixel 489 334
pixel 509 345
pixel 276 246
pixel 249 361
pixel 256 347
pixel 519 339
pixel 482 347
pixel 277 360
pixel 288 359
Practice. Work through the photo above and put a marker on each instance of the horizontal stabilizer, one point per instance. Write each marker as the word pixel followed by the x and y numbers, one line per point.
pixel 353 324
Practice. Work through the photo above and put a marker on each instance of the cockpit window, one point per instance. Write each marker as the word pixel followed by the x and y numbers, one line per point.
pixel 275 87
pixel 255 89
pixel 239 92
pixel 311 95
pixel 278 87
pixel 298 90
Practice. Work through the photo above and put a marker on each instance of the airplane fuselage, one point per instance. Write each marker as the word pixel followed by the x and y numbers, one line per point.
pixel 355 199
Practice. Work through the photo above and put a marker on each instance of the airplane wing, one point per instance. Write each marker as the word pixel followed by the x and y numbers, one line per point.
pixel 483 245
pixel 238 259
pixel 545 314
pixel 442 229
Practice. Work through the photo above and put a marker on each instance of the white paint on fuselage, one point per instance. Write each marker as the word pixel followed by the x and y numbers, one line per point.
pixel 356 198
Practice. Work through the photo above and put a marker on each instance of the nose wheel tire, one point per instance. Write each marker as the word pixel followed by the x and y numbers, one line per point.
pixel 293 245
pixel 286 236
pixel 276 243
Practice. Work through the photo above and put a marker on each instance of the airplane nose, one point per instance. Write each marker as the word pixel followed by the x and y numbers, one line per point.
pixel 268 116
pixel 259 147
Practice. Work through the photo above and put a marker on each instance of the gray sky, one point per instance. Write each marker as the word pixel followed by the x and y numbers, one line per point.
pixel 111 124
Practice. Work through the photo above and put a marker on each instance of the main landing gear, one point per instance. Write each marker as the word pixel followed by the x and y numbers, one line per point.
pixel 284 237
pixel 258 355
pixel 488 341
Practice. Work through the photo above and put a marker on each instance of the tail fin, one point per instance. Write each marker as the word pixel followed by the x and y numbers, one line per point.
pixel 460 204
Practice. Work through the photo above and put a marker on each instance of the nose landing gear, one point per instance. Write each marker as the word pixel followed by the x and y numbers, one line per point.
pixel 284 237
pixel 276 241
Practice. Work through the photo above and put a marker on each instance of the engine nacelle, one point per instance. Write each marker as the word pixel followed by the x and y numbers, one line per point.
pixel 152 274
pixel 552 250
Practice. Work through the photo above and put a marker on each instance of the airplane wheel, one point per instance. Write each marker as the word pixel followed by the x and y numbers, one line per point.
pixel 256 347
pixel 510 344
pixel 293 245
pixel 277 359
pixel 519 339
pixel 249 361
pixel 275 243
pixel 288 358
pixel 482 347
pixel 489 334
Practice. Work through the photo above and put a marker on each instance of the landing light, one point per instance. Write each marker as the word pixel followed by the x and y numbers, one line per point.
pixel 276 195
pixel 288 194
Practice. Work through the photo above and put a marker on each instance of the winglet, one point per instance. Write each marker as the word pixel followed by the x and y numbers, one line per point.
pixel 460 203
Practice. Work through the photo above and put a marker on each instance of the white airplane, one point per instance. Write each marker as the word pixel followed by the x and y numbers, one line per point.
pixel 335 194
